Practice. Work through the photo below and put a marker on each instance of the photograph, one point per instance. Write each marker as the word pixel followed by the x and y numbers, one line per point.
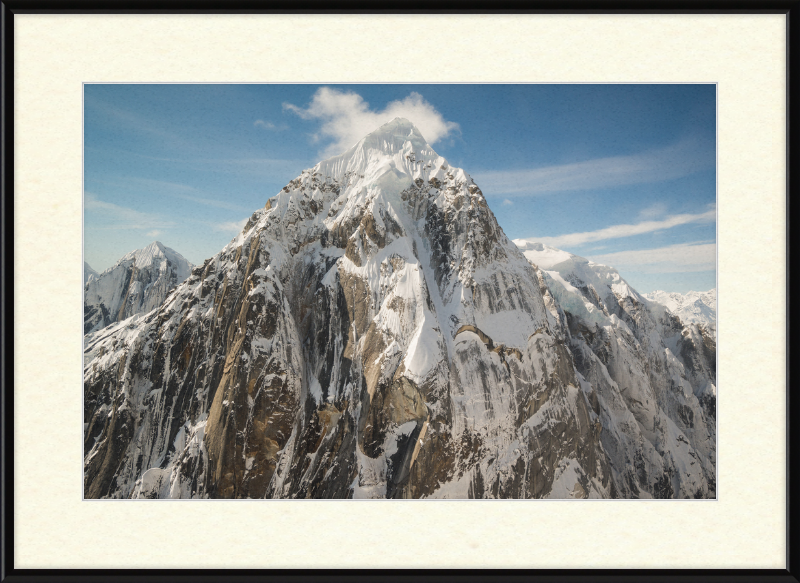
pixel 397 291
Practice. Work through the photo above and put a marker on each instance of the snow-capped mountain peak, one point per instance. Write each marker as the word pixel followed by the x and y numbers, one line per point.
pixel 138 282
pixel 393 155
pixel 662 366
pixel 156 253
pixel 372 332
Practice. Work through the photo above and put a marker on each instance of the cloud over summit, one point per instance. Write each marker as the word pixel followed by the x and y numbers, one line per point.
pixel 346 118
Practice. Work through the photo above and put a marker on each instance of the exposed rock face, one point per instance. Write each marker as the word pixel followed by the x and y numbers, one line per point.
pixel 652 377
pixel 372 332
pixel 139 282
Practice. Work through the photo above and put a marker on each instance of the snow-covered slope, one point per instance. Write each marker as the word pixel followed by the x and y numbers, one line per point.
pixel 139 282
pixel 692 307
pixel 88 272
pixel 371 332
pixel 654 377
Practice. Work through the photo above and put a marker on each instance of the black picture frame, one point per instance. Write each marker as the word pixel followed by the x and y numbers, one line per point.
pixel 8 571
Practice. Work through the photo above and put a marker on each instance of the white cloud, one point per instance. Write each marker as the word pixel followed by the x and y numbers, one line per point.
pixel 153 233
pixel 596 249
pixel 619 231
pixel 686 257
pixel 654 210
pixel 507 202
pixel 178 190
pixel 120 217
pixel 346 117
pixel 133 121
pixel 675 161
pixel 163 184
pixel 231 226
pixel 268 125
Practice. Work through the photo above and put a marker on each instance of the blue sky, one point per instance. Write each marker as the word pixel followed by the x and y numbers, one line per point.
pixel 621 174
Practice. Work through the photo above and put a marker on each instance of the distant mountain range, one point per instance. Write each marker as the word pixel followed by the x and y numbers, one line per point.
pixel 692 307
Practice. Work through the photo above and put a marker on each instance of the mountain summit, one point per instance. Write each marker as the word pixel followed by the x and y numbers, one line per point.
pixel 137 283
pixel 373 333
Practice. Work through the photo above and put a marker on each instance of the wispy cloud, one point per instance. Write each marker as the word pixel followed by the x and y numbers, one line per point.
pixel 277 162
pixel 231 226
pixel 153 233
pixel 507 202
pixel 657 209
pixel 182 191
pixel 619 231
pixel 686 257
pixel 267 167
pixel 132 121
pixel 120 217
pixel 268 125
pixel 164 184
pixel 346 117
pixel 675 161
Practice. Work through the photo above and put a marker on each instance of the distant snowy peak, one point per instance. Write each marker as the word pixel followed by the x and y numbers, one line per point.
pixel 88 272
pixel 156 254
pixel 692 307
pixel 138 282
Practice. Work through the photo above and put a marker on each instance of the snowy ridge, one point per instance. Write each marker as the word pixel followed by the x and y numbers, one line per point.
pixel 603 279
pixel 655 377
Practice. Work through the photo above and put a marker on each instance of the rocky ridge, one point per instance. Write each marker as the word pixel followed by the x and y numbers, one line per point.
pixel 654 377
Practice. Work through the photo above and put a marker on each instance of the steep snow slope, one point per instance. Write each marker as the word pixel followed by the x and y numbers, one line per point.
pixel 654 377
pixel 87 272
pixel 138 282
pixel 692 307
